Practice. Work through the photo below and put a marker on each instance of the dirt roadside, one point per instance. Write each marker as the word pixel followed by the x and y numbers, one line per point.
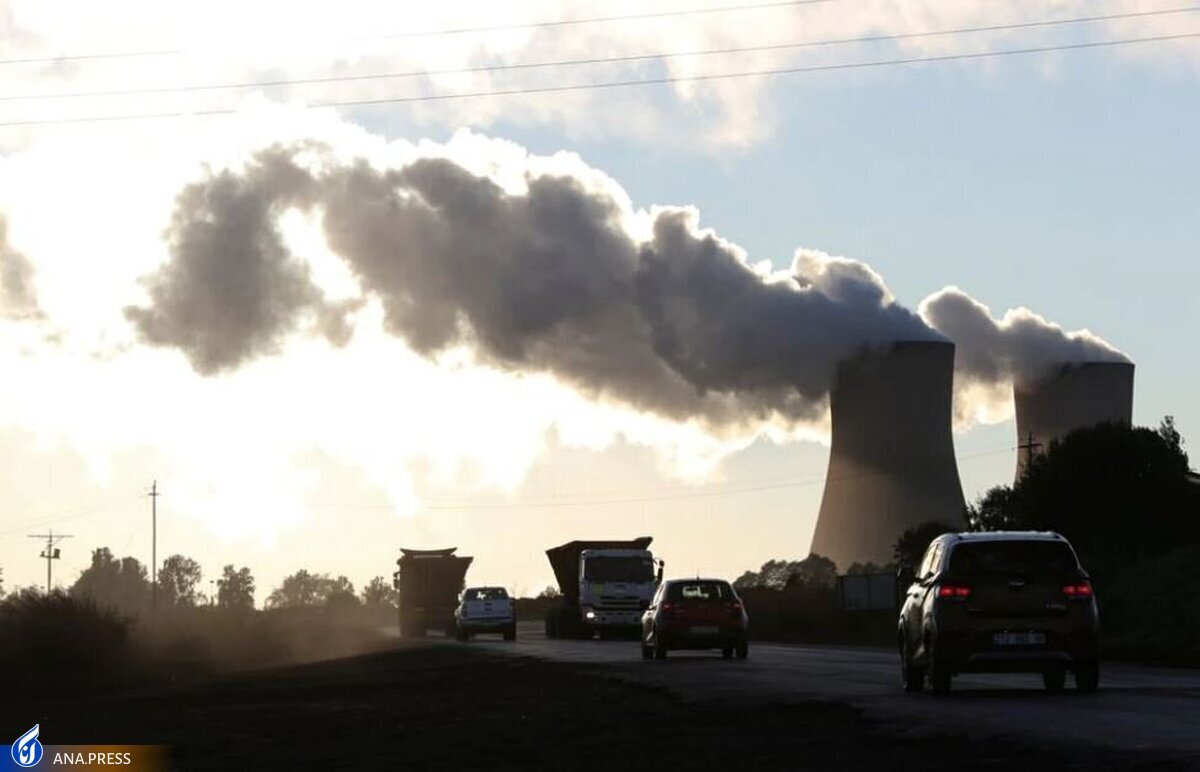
pixel 452 707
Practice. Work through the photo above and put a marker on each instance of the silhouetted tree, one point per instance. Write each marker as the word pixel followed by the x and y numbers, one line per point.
pixel 911 545
pixel 235 589
pixel 814 571
pixel 380 594
pixel 550 593
pixel 307 589
pixel 1121 494
pixel 119 584
pixel 178 580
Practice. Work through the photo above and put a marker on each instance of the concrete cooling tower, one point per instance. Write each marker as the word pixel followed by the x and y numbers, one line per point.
pixel 891 463
pixel 1076 396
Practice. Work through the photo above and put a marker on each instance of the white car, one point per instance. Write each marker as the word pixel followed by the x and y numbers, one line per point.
pixel 485 610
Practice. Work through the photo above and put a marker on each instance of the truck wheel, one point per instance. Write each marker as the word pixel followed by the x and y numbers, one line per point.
pixel 727 652
pixel 1087 676
pixel 743 650
pixel 511 633
pixel 551 624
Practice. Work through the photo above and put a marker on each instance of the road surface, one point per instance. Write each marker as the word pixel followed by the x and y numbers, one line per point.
pixel 1137 708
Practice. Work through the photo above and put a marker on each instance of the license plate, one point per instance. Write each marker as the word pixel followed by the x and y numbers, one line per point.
pixel 1019 639
pixel 706 630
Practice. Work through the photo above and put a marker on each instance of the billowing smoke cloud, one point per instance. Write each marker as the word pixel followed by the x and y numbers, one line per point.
pixel 18 298
pixel 547 275
pixel 1022 347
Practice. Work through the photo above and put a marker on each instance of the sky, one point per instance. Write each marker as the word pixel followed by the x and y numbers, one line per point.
pixel 1058 181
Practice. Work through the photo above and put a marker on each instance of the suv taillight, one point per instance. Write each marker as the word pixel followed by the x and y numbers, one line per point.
pixel 1078 591
pixel 735 607
pixel 953 591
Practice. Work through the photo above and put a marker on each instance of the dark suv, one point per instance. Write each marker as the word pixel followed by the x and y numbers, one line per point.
pixel 1006 601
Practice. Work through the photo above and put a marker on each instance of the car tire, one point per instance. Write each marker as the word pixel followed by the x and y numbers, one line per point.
pixel 647 651
pixel 660 648
pixel 939 677
pixel 1054 679
pixel 912 677
pixel 742 650
pixel 727 652
pixel 1087 676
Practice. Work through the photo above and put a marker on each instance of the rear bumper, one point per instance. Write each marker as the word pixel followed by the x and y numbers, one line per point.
pixel 977 652
pixel 685 639
pixel 486 625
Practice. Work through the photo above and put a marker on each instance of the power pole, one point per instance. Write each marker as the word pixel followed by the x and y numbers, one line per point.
pixel 1030 447
pixel 154 543
pixel 51 553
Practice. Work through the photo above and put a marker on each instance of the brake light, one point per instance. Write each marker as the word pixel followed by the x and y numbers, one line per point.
pixel 953 591
pixel 668 607
pixel 1078 591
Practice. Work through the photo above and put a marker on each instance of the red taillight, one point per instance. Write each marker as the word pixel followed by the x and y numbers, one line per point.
pixel 1078 591
pixel 953 591
pixel 735 607
pixel 668 607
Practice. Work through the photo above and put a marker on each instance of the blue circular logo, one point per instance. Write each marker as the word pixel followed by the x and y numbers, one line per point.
pixel 27 750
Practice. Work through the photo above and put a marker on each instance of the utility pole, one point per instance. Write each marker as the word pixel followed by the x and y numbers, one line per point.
pixel 51 553
pixel 1030 447
pixel 154 543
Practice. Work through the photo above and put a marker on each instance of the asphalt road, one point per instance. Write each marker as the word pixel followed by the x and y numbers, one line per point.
pixel 1136 708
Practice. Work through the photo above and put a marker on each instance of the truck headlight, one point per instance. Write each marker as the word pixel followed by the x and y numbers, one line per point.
pixel 589 613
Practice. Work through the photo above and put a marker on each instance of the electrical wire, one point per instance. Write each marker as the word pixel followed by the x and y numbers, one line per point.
pixel 201 87
pixel 450 31
pixel 620 83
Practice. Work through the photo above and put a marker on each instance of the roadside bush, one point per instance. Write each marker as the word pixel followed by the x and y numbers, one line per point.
pixel 1152 611
pixel 60 641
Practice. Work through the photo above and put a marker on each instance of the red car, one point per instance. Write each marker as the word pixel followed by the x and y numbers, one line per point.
pixel 695 614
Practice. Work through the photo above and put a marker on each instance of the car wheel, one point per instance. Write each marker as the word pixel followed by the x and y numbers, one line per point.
pixel 1054 679
pixel 647 651
pixel 939 677
pixel 1087 676
pixel 911 676
pixel 727 652
pixel 742 650
pixel 660 648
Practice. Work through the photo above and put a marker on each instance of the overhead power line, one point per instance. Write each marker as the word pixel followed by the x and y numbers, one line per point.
pixel 616 84
pixel 449 31
pixel 646 497
pixel 626 59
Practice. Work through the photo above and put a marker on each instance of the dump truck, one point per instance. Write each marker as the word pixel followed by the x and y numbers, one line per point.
pixel 605 586
pixel 429 582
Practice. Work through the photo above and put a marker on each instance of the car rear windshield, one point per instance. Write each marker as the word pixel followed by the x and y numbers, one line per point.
pixel 485 593
pixel 1012 557
pixel 619 569
pixel 700 591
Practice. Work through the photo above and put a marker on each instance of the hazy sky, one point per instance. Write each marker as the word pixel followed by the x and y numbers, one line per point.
pixel 1063 182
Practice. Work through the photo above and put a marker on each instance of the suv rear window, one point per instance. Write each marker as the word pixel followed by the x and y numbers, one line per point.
pixel 1012 557
pixel 700 591
pixel 485 593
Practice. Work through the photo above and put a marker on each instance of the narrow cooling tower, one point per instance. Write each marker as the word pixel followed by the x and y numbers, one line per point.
pixel 1076 396
pixel 891 463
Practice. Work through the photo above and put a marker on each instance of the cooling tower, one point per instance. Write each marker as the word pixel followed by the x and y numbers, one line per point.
pixel 1076 396
pixel 891 463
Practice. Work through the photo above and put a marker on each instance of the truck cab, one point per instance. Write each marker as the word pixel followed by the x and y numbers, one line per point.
pixel 605 585
pixel 615 586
